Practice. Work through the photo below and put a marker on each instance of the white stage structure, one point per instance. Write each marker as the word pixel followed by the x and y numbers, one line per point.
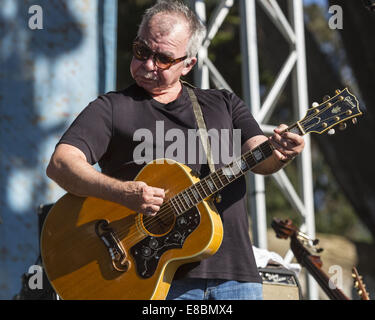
pixel 292 28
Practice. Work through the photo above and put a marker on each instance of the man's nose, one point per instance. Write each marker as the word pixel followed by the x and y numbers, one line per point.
pixel 150 63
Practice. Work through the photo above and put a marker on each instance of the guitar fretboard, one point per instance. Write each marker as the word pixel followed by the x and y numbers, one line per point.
pixel 219 179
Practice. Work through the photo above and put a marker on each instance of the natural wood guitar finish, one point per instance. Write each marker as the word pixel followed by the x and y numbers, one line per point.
pixel 79 264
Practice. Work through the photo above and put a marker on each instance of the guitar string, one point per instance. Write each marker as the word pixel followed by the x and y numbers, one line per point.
pixel 215 178
pixel 161 214
pixel 170 210
pixel 216 172
pixel 169 207
pixel 135 236
pixel 138 235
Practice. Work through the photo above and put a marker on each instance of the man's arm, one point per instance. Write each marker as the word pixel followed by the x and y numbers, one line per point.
pixel 287 146
pixel 69 168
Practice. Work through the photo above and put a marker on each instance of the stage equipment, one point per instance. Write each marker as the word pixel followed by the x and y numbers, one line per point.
pixel 280 283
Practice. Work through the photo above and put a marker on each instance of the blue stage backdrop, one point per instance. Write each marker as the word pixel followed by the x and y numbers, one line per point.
pixel 55 57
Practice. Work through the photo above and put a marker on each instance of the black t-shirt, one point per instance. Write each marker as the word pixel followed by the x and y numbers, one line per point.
pixel 111 127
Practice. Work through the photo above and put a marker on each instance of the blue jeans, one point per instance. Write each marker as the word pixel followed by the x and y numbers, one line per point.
pixel 214 289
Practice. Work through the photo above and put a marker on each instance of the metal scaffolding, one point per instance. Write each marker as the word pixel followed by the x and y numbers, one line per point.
pixel 292 29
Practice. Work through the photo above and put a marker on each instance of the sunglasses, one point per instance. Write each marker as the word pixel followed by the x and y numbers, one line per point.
pixel 142 52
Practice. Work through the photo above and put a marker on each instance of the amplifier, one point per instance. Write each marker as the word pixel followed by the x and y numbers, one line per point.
pixel 280 284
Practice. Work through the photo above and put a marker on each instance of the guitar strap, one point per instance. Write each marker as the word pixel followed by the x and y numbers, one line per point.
pixel 201 126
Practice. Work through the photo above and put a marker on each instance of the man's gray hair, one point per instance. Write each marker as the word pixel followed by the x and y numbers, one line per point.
pixel 197 29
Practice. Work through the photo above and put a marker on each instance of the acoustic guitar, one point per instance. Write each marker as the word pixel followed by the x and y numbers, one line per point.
pixel 96 249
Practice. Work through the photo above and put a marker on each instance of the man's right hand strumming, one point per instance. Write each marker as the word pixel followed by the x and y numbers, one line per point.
pixel 71 171
pixel 143 198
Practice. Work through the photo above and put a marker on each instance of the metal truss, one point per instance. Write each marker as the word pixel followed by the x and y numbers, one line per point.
pixel 292 29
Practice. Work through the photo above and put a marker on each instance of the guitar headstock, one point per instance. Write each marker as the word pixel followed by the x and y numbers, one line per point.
pixel 359 285
pixel 333 111
pixel 283 228
pixel 301 244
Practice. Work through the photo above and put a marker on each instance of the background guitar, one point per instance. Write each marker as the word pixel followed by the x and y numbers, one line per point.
pixel 359 285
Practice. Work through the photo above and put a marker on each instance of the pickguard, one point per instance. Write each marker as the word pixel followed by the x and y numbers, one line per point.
pixel 148 251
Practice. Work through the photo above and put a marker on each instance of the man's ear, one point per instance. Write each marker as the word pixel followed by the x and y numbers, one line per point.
pixel 189 66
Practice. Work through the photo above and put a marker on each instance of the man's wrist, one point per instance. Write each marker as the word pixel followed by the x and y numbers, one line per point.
pixel 285 161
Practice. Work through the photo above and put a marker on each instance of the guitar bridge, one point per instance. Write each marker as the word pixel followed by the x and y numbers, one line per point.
pixel 113 245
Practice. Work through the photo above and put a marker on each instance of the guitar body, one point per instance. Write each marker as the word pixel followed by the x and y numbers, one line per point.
pixel 96 249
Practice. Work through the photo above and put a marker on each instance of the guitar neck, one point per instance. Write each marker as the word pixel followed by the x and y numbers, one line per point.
pixel 324 282
pixel 222 177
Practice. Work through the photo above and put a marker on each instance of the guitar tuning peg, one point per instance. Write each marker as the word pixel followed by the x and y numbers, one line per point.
pixel 342 126
pixel 326 97
pixel 337 91
pixel 356 284
pixel 315 104
pixel 331 132
pixel 354 121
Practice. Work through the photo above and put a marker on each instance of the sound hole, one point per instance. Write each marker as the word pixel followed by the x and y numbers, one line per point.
pixel 161 223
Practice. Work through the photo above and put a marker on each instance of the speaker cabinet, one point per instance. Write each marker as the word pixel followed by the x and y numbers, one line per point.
pixel 280 284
